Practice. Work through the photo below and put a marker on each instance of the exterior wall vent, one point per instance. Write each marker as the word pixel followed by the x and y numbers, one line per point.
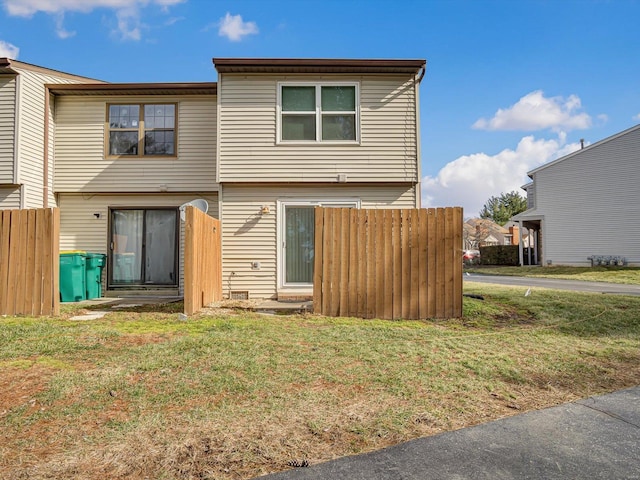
pixel 239 295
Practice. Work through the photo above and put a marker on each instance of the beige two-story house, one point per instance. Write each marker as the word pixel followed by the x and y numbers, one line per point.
pixel 272 139
pixel 294 134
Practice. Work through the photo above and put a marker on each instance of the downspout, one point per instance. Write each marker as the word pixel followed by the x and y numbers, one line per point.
pixel 16 141
pixel 417 126
pixel 45 153
pixel 424 70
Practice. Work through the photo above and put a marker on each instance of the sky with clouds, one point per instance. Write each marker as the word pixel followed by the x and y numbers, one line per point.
pixel 510 85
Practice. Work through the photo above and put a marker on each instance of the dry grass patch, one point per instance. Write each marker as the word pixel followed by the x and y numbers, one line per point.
pixel 234 395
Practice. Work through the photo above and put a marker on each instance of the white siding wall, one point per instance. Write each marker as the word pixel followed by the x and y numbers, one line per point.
pixel 248 150
pixel 81 230
pixel 81 165
pixel 248 236
pixel 7 131
pixel 591 203
pixel 9 198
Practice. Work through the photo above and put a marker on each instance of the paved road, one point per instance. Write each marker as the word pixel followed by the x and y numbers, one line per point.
pixel 558 284
pixel 595 438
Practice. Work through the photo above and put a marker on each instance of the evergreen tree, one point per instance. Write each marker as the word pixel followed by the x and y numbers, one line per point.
pixel 501 209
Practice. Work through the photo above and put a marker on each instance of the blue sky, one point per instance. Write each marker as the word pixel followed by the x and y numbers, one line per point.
pixel 510 85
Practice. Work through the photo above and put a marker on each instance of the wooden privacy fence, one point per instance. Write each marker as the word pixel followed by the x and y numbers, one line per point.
pixel 29 262
pixel 202 261
pixel 388 264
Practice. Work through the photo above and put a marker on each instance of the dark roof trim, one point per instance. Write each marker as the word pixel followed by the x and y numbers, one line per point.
pixel 5 66
pixel 204 88
pixel 317 65
pixel 8 65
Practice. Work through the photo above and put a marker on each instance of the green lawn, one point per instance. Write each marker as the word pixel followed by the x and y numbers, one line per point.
pixel 230 394
pixel 624 275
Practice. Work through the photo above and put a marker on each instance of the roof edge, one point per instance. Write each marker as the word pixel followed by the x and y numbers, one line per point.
pixel 79 88
pixel 223 65
pixel 5 66
pixel 37 68
pixel 530 214
pixel 582 150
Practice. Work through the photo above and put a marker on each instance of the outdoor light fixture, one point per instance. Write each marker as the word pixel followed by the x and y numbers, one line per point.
pixel 265 210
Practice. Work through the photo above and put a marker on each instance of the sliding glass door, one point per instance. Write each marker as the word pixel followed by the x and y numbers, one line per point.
pixel 144 246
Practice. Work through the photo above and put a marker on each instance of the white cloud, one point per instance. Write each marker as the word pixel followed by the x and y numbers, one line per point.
pixel 173 20
pixel 129 25
pixel 127 12
pixel 232 27
pixel 60 30
pixel 8 50
pixel 470 180
pixel 534 111
pixel 636 117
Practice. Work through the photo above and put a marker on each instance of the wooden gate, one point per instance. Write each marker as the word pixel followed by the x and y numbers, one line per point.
pixel 202 261
pixel 391 264
pixel 29 262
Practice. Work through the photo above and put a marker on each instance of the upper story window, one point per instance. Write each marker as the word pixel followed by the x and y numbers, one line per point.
pixel 319 112
pixel 142 129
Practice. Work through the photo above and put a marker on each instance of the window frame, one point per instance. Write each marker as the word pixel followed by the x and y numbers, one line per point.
pixel 140 129
pixel 318 112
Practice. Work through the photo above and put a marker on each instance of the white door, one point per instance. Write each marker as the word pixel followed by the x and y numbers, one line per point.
pixel 296 235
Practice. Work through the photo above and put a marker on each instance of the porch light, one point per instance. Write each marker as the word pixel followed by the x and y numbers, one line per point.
pixel 265 210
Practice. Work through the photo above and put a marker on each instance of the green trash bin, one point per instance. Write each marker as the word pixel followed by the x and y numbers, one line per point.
pixel 72 276
pixel 95 264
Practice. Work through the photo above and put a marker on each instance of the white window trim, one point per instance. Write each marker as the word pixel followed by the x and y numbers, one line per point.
pixel 318 113
pixel 280 252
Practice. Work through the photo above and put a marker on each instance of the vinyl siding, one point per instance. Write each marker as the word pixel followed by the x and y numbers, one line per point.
pixel 9 198
pixel 81 230
pixel 590 203
pixel 248 236
pixel 531 196
pixel 249 151
pixel 7 127
pixel 81 165
pixel 31 133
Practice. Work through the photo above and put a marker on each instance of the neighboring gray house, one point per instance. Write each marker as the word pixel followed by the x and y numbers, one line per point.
pixel 587 204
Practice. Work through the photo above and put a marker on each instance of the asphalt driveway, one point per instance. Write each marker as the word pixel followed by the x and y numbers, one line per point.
pixel 557 284
pixel 595 438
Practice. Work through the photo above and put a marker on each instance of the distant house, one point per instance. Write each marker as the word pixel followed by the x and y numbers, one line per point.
pixel 481 232
pixel 586 205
